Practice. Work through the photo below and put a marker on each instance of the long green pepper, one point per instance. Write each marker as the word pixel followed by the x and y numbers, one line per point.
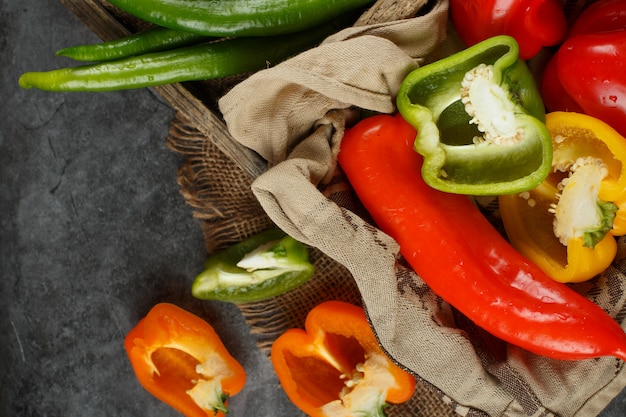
pixel 150 40
pixel 239 17
pixel 193 63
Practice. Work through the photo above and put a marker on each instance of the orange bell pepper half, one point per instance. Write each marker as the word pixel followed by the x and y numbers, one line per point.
pixel 179 358
pixel 335 367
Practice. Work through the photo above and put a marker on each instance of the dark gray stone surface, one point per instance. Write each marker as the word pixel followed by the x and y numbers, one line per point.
pixel 93 233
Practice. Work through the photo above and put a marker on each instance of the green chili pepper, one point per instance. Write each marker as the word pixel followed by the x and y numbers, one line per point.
pixel 480 121
pixel 150 40
pixel 263 266
pixel 239 17
pixel 205 61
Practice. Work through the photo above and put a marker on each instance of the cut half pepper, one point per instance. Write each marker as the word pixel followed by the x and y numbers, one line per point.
pixel 480 121
pixel 260 267
pixel 567 224
pixel 180 359
pixel 335 368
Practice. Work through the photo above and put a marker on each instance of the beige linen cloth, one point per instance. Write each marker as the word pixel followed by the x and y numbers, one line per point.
pixel 294 116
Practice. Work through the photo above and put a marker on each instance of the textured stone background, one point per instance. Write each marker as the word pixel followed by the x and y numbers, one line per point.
pixel 93 233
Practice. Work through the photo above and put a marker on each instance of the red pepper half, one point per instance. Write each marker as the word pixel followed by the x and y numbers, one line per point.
pixel 462 257
pixel 588 72
pixel 533 23
pixel 180 359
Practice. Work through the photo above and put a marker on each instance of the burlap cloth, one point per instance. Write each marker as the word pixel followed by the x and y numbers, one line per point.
pixel 294 115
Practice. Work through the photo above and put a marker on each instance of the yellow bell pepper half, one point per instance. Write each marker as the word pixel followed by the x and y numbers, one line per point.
pixel 567 225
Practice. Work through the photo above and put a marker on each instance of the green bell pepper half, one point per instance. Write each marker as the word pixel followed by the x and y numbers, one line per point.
pixel 480 121
pixel 260 267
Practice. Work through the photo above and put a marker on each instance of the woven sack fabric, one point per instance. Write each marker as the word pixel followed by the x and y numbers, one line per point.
pixel 294 116
pixel 220 193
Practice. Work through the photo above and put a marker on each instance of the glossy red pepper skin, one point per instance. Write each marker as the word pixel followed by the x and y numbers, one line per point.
pixel 588 72
pixel 533 23
pixel 553 93
pixel 592 71
pixel 601 16
pixel 463 258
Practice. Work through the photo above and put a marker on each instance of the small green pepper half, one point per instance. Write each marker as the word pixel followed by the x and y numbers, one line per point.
pixel 480 121
pixel 260 267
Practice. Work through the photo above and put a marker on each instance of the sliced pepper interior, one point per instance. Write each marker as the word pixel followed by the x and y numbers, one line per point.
pixel 479 120
pixel 567 224
pixel 179 359
pixel 262 266
pixel 335 368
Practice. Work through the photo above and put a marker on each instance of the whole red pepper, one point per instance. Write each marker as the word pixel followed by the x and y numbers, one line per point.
pixel 533 23
pixel 588 72
pixel 463 258
pixel 601 16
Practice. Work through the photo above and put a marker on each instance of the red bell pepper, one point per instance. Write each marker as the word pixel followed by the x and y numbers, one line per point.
pixel 588 72
pixel 463 258
pixel 335 367
pixel 601 16
pixel 180 359
pixel 533 23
